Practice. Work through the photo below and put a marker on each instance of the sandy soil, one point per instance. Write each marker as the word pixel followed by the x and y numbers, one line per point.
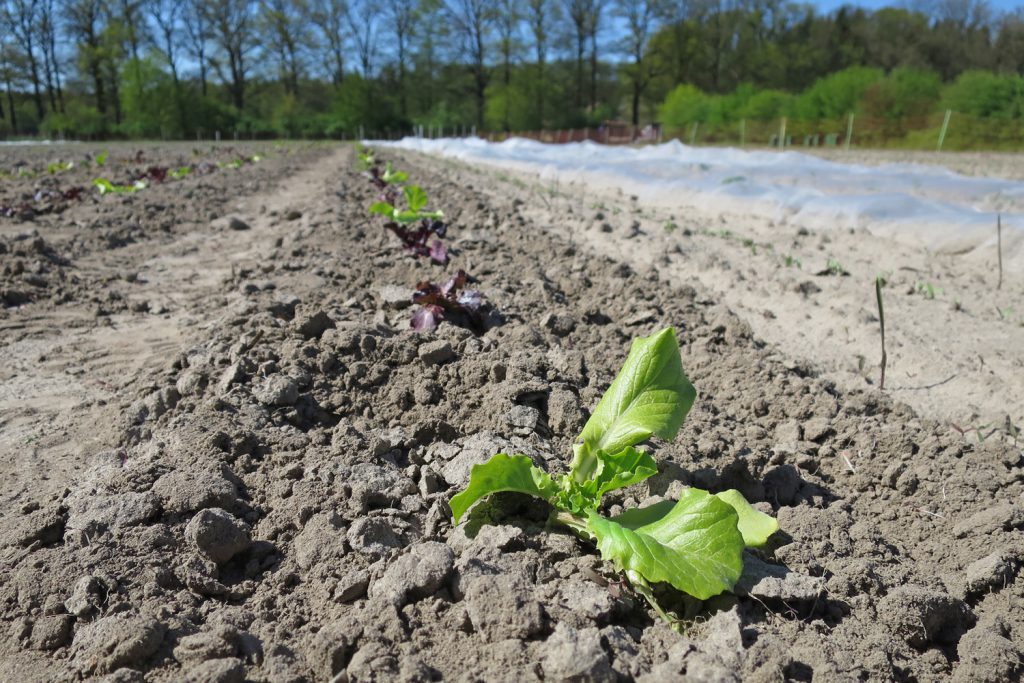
pixel 248 453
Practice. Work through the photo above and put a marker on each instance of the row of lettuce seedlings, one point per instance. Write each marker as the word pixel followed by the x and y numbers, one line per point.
pixel 403 207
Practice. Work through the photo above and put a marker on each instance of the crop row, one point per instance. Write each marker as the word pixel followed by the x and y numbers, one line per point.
pixel 694 545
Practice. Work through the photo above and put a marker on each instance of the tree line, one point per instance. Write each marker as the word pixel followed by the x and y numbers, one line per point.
pixel 180 68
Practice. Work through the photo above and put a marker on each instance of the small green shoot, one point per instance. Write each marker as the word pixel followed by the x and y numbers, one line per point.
pixel 416 199
pixel 393 177
pixel 927 289
pixel 107 187
pixel 179 173
pixel 367 159
pixel 59 167
pixel 669 227
pixel 101 159
pixel 834 267
pixel 789 260
pixel 694 544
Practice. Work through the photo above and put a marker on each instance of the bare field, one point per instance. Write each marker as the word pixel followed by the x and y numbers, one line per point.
pixel 230 458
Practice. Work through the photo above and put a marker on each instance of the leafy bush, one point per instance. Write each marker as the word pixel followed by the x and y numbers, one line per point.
pixel 766 105
pixel 686 104
pixel 903 93
pixel 78 120
pixel 837 95
pixel 986 94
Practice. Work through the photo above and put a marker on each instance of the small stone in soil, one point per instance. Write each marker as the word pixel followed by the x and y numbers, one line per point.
pixel 501 607
pixel 218 534
pixel 277 390
pixel 921 616
pixel 50 633
pixel 436 352
pixel 418 574
pixel 577 655
pixel 230 670
pixel 117 641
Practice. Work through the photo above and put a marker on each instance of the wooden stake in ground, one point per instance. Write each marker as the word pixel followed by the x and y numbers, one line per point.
pixel 999 247
pixel 881 320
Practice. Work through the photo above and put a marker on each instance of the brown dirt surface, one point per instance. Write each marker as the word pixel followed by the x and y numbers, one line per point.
pixel 229 457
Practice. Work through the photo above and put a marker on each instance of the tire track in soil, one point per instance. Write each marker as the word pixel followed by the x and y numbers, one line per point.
pixel 313 415
pixel 64 379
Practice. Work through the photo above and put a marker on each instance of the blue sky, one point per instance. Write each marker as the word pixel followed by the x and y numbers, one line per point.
pixel 998 6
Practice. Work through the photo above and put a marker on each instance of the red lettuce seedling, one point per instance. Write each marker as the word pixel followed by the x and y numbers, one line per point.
pixel 418 229
pixel 449 301
pixel 43 202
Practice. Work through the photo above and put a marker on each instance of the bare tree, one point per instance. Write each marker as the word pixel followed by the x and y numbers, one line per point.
pixel 362 21
pixel 640 18
pixel 51 63
pixel 966 15
pixel 472 21
pixel 284 25
pixel 402 16
pixel 508 15
pixel 432 39
pixel 593 28
pixel 581 14
pixel 199 34
pixel 232 28
pixel 133 21
pixel 7 70
pixel 133 26
pixel 20 19
pixel 538 18
pixel 329 18
pixel 85 24
pixel 167 16
pixel 1010 42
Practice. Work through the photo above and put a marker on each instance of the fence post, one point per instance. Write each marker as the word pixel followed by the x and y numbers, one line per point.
pixel 782 134
pixel 945 126
pixel 849 132
pixel 743 132
pixel 693 134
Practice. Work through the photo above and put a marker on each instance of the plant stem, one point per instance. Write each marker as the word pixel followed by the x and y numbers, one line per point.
pixel 574 522
pixel 578 525
pixel 641 586
pixel 999 241
pixel 881 320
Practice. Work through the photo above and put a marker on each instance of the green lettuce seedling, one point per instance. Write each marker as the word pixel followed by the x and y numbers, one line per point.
pixel 107 187
pixel 416 199
pixel 393 177
pixel 367 158
pixel 694 544
pixel 59 167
